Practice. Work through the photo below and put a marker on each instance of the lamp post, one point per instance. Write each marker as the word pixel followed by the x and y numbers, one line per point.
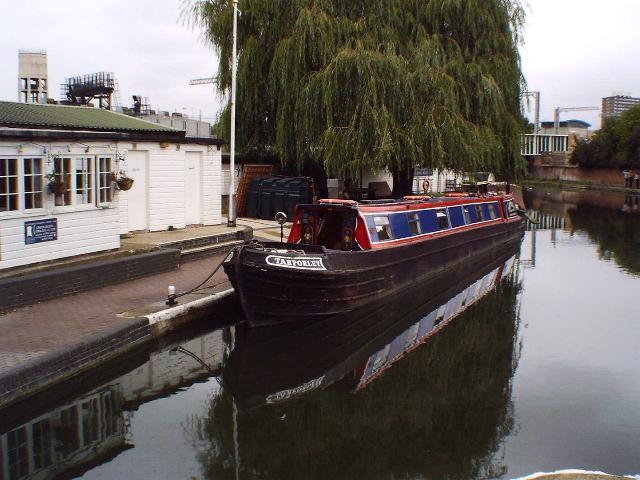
pixel 231 219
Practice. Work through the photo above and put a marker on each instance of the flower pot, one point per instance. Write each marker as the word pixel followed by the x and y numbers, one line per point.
pixel 57 187
pixel 124 183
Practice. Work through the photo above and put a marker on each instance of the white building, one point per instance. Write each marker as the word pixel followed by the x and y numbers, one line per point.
pixel 177 180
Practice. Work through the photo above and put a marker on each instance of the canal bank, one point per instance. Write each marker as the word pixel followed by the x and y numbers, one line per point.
pixel 579 186
pixel 52 341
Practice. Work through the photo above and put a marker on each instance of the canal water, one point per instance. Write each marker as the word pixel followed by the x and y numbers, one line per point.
pixel 526 363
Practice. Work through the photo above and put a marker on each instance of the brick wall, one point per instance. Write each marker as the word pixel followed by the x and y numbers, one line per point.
pixel 17 291
pixel 608 177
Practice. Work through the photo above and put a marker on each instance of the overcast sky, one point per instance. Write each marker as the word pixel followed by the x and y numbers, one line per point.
pixel 575 51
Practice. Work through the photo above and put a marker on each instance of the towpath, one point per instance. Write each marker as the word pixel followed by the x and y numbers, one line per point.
pixel 57 324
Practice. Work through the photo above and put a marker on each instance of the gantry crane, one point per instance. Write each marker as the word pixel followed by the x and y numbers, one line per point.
pixel 202 81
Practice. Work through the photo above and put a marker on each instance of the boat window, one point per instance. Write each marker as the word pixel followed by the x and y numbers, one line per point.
pixel 486 212
pixel 467 216
pixel 414 224
pixel 383 228
pixel 443 220
pixel 471 214
pixel 493 211
pixel 480 214
pixel 456 216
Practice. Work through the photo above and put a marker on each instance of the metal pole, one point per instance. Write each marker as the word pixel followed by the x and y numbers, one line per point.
pixel 231 219
pixel 556 121
pixel 536 128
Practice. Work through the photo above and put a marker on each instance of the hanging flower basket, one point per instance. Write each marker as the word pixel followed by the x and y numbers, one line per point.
pixel 57 186
pixel 124 183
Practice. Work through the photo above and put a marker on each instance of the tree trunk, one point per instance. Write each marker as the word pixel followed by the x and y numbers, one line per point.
pixel 402 180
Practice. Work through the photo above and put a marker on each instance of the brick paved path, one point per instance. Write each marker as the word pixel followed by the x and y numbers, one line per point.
pixel 32 331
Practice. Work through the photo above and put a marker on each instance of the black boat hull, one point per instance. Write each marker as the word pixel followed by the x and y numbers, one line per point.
pixel 334 282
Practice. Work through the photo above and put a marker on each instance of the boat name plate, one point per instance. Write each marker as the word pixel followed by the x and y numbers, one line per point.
pixel 290 392
pixel 298 263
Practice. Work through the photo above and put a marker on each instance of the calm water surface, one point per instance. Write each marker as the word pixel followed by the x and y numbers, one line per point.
pixel 515 366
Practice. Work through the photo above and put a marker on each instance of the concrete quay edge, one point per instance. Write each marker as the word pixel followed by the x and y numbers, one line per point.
pixel 36 375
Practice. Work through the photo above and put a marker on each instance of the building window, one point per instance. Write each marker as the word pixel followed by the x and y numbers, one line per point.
pixel 62 171
pixel 8 184
pixel 41 433
pixel 83 167
pixel 33 183
pixel 23 84
pixel 17 453
pixel 23 97
pixel 414 224
pixel 34 97
pixel 33 83
pixel 383 228
pixel 90 421
pixel 104 180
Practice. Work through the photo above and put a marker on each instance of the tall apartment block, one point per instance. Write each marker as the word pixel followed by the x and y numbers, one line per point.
pixel 33 82
pixel 614 106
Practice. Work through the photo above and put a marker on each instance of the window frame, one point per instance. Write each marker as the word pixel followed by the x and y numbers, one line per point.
pixel 6 181
pixel 442 214
pixel 413 219
pixel 90 187
pixel 104 176
pixel 43 188
pixel 383 227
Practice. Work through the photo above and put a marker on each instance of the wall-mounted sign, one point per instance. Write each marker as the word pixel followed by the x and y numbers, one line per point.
pixel 39 231
pixel 423 172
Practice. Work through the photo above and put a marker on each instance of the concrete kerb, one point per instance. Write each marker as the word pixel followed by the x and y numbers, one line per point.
pixel 170 319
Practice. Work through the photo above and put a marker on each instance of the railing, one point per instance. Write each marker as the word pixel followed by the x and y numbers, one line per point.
pixel 538 144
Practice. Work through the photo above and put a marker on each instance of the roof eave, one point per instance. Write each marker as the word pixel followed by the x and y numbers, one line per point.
pixel 177 136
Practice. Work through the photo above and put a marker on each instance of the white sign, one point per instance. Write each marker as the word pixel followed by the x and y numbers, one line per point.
pixel 298 263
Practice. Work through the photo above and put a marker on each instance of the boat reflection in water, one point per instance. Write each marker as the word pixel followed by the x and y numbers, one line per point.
pixel 441 412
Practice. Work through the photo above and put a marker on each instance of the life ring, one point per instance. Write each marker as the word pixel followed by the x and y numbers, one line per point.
pixel 426 185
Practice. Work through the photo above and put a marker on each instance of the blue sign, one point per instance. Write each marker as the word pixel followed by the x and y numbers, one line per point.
pixel 40 231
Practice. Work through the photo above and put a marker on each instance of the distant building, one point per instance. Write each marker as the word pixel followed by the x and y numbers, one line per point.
pixel 192 126
pixel 32 76
pixel 577 128
pixel 614 106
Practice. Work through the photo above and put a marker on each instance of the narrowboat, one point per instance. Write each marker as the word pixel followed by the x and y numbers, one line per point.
pixel 342 255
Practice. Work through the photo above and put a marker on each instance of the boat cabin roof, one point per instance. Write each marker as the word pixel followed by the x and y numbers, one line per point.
pixel 403 204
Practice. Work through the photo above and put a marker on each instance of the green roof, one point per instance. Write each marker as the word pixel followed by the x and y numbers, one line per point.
pixel 63 117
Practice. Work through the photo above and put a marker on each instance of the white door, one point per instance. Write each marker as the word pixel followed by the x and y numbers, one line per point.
pixel 137 196
pixel 193 190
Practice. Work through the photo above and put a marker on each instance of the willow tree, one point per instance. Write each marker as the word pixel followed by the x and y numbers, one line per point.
pixel 380 84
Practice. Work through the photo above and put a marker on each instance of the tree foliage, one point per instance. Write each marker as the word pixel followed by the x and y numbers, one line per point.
pixel 615 145
pixel 374 83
